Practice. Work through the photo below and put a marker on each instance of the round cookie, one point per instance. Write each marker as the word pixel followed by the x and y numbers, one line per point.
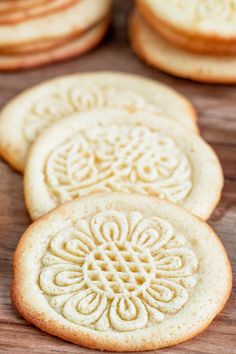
pixel 60 50
pixel 34 11
pixel 158 52
pixel 207 26
pixel 77 18
pixel 121 272
pixel 197 45
pixel 31 112
pixel 117 151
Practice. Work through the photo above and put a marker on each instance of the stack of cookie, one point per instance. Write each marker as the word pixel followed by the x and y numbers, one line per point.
pixel 117 176
pixel 38 32
pixel 189 39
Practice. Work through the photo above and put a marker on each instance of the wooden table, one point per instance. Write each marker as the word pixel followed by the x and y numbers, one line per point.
pixel 216 106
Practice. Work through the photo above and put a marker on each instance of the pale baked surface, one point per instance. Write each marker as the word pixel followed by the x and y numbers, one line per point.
pixel 158 52
pixel 31 112
pixel 74 19
pixel 61 50
pixel 214 19
pixel 121 273
pixel 113 150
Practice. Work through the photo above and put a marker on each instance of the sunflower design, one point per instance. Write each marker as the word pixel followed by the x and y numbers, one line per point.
pixel 118 271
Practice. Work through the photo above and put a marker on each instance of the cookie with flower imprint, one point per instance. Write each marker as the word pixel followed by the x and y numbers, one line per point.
pixel 35 109
pixel 156 51
pixel 204 26
pixel 112 150
pixel 121 272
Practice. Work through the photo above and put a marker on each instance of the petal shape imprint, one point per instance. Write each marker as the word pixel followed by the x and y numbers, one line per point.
pixel 175 263
pixel 71 245
pixel 61 279
pixel 87 98
pixel 85 308
pixel 128 314
pixel 165 296
pixel 152 233
pixel 108 226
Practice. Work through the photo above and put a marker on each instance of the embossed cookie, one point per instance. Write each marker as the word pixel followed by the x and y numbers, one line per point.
pixel 117 151
pixel 31 112
pixel 160 53
pixel 206 26
pixel 121 272
pixel 75 19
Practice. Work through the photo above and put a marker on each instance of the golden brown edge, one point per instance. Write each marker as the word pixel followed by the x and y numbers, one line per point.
pixel 25 62
pixel 78 32
pixel 7 151
pixel 53 328
pixel 21 15
pixel 154 19
pixel 140 52
pixel 34 215
pixel 192 44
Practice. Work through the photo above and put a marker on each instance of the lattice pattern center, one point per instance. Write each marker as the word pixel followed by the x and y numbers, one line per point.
pixel 119 268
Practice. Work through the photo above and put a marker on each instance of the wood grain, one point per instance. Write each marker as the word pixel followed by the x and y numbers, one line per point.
pixel 216 106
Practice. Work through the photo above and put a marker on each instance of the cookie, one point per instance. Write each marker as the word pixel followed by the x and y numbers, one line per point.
pixel 116 151
pixel 31 112
pixel 42 9
pixel 205 26
pixel 59 51
pixel 77 18
pixel 121 272
pixel 158 52
pixel 195 44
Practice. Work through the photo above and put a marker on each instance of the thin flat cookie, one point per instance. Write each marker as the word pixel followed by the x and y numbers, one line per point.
pixel 117 151
pixel 186 41
pixel 194 24
pixel 66 50
pixel 77 18
pixel 121 272
pixel 158 52
pixel 25 117
pixel 43 9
